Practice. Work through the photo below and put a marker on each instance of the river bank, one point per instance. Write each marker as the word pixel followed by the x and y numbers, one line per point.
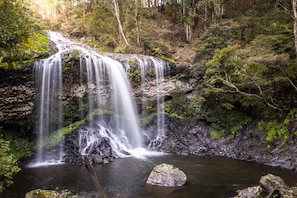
pixel 248 144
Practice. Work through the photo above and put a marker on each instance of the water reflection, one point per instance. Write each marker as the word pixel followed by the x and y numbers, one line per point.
pixel 207 177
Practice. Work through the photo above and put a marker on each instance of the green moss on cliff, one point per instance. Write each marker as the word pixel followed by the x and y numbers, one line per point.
pixel 57 136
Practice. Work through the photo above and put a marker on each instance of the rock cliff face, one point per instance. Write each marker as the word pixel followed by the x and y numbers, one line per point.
pixel 195 139
pixel 16 102
pixel 18 92
pixel 17 95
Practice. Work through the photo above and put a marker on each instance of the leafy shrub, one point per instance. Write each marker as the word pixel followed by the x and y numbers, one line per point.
pixel 8 164
pixel 134 75
pixel 179 105
pixel 206 45
pixel 19 40
pixel 216 133
pixel 21 147
pixel 14 24
pixel 274 130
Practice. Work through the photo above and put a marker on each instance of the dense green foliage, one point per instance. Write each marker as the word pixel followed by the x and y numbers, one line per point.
pixel 248 72
pixel 21 36
pixel 21 41
pixel 244 69
pixel 8 164
pixel 12 149
pixel 14 24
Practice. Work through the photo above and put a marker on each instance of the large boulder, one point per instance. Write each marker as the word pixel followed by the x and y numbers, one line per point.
pixel 167 175
pixel 269 186
pixel 272 184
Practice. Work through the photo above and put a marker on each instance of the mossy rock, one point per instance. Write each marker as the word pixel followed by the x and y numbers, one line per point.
pixel 40 193
pixel 167 175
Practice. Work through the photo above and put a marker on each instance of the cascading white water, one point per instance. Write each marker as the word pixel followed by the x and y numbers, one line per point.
pixel 125 137
pixel 160 68
pixel 49 83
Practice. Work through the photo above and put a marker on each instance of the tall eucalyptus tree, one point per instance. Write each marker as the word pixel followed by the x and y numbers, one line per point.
pixel 114 4
pixel 294 2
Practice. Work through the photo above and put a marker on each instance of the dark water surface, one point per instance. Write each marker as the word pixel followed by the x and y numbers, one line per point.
pixel 126 177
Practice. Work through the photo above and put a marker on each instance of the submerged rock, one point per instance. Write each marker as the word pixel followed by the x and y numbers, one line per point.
pixel 40 193
pixel 167 175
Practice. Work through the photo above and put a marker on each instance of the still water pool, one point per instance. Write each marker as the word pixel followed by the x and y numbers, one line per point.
pixel 126 178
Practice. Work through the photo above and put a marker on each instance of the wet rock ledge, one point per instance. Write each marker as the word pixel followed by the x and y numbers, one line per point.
pixel 194 139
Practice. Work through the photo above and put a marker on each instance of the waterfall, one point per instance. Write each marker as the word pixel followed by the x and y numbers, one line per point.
pixel 49 84
pixel 160 69
pixel 102 76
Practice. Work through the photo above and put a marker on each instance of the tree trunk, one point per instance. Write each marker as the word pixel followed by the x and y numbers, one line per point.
pixel 186 10
pixel 136 23
pixel 205 15
pixel 117 15
pixel 295 23
pixel 187 32
pixel 95 178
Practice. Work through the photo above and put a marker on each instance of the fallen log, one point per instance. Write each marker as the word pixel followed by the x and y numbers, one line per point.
pixel 95 178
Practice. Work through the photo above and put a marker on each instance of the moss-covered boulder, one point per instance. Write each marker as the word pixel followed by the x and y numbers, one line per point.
pixel 40 193
pixel 167 175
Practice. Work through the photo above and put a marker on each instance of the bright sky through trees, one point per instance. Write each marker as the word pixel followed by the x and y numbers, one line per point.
pixel 46 8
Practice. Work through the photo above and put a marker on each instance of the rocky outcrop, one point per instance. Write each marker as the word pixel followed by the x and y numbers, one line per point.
pixel 167 175
pixel 100 151
pixel 272 184
pixel 269 186
pixel 17 95
pixel 149 91
pixel 194 139
pixel 16 102
pixel 17 88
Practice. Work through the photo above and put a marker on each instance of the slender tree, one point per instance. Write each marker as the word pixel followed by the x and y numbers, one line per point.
pixel 295 23
pixel 116 10
pixel 136 10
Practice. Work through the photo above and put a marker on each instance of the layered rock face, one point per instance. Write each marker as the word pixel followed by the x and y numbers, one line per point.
pixel 17 96
pixel 19 103
pixel 195 139
pixel 16 102
pixel 17 88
